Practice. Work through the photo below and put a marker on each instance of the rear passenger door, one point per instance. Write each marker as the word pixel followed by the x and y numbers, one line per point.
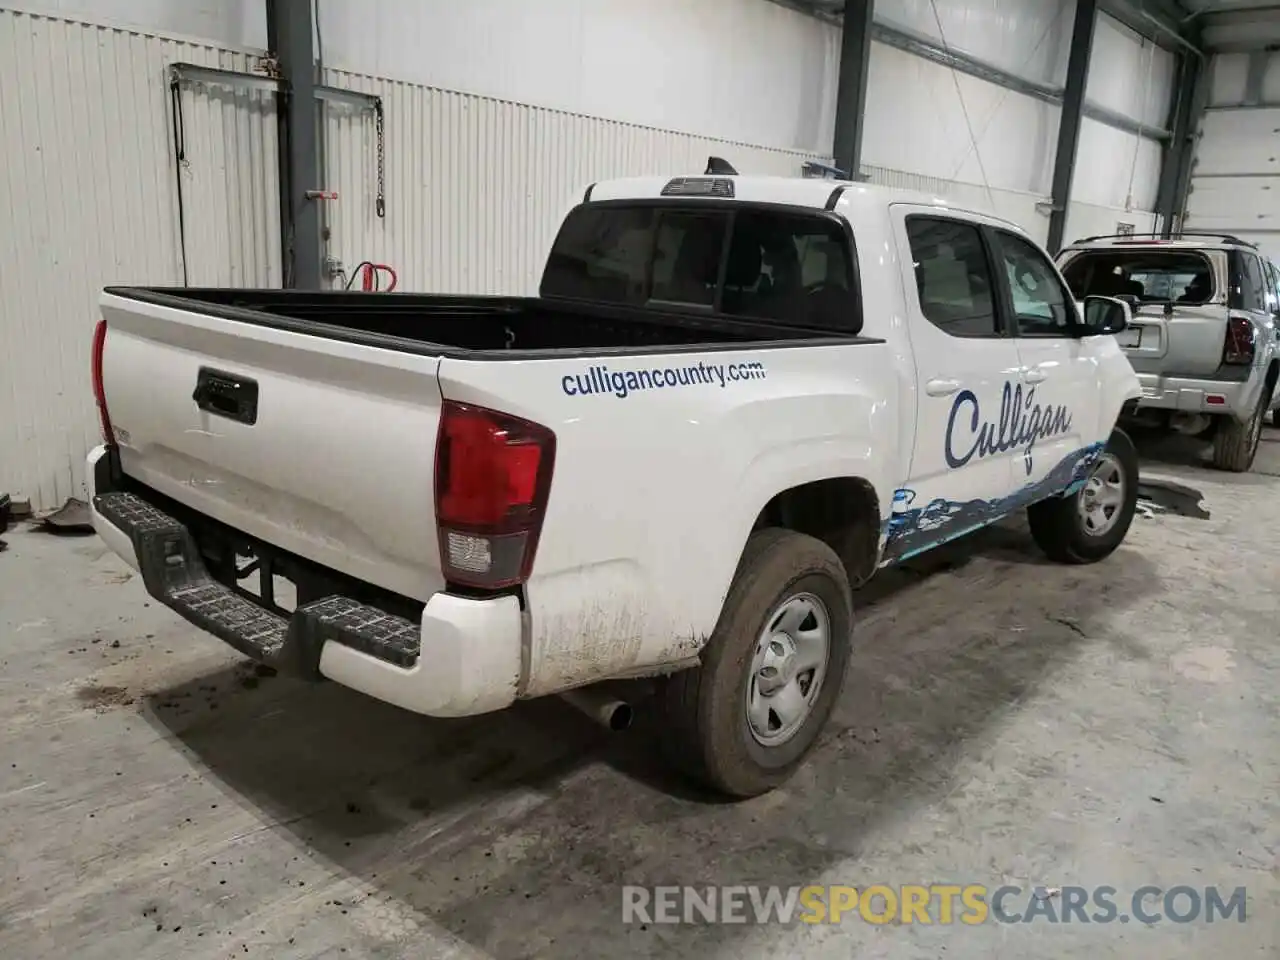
pixel 1058 404
pixel 966 375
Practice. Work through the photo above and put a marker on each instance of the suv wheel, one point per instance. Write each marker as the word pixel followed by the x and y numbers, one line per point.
pixel 1235 443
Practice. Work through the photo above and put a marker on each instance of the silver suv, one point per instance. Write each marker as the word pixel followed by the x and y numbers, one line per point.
pixel 1203 339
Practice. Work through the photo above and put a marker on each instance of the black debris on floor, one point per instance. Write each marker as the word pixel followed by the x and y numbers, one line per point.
pixel 1169 496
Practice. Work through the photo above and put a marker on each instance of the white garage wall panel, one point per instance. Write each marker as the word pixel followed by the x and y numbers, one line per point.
pixel 743 70
pixel 1118 173
pixel 1236 185
pixel 1000 157
pixel 1229 76
pixel 915 122
pixel 1116 179
pixel 1028 38
pixel 1010 168
pixel 1129 74
pixel 87 198
pixel 475 187
pixel 234 24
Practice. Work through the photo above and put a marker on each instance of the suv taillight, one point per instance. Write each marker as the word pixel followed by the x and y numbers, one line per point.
pixel 493 476
pixel 1238 350
pixel 99 394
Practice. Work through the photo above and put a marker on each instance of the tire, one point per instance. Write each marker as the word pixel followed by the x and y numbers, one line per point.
pixel 1275 417
pixel 705 710
pixel 1236 443
pixel 1059 525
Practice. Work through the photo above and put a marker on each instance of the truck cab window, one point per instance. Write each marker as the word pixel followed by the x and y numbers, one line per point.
pixel 601 254
pixel 791 268
pixel 1040 303
pixel 787 267
pixel 686 257
pixel 953 278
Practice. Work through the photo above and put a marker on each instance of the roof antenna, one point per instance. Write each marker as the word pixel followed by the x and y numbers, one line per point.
pixel 719 167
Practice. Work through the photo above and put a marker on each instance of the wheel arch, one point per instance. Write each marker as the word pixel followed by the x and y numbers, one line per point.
pixel 841 511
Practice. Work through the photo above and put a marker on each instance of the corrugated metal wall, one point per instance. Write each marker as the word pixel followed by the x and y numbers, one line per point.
pixel 230 186
pixel 88 198
pixel 475 187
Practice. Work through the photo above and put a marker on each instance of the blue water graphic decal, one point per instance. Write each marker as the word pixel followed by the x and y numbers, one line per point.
pixel 911 529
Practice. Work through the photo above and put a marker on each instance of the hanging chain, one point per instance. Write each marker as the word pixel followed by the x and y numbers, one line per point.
pixel 381 202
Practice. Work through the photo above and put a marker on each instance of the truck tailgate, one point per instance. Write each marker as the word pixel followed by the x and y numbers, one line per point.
pixel 321 447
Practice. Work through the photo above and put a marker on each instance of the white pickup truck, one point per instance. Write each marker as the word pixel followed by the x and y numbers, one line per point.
pixel 733 401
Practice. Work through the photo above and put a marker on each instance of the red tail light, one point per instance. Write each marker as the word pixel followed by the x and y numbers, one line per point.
pixel 1239 348
pixel 493 476
pixel 99 394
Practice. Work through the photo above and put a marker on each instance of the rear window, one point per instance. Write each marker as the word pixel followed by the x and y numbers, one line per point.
pixel 1148 275
pixel 778 265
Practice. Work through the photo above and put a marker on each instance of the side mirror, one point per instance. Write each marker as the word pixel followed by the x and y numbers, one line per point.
pixel 1105 315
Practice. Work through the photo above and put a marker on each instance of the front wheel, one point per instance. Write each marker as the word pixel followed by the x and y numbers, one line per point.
pixel 1088 526
pixel 744 719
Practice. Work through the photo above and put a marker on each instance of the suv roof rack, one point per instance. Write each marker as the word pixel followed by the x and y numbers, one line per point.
pixel 1224 237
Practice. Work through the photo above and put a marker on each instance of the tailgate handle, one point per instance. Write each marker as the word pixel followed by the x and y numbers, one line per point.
pixel 227 395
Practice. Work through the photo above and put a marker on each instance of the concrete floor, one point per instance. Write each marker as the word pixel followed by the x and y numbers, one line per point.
pixel 1006 721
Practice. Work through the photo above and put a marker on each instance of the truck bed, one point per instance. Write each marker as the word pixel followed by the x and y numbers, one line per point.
pixel 284 415
pixel 466 325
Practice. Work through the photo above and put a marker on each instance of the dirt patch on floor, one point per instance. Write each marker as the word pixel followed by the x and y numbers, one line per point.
pixel 100 697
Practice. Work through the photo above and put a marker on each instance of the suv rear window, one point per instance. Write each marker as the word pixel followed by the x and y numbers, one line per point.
pixel 1149 275
pixel 780 265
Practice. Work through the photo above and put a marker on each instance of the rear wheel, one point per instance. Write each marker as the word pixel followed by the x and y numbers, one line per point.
pixel 1236 443
pixel 744 719
pixel 1089 525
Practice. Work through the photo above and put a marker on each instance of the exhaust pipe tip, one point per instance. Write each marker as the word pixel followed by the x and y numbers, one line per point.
pixel 608 711
pixel 621 717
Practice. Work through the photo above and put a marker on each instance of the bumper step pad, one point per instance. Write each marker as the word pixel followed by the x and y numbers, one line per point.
pixel 364 628
pixel 175 574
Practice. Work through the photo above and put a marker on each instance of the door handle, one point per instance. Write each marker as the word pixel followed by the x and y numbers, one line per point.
pixel 1033 375
pixel 941 388
pixel 226 395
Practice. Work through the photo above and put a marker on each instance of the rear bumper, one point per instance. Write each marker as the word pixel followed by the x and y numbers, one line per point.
pixel 1187 395
pixel 464 658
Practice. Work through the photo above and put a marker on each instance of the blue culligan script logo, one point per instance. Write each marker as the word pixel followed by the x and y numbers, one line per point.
pixel 1021 423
